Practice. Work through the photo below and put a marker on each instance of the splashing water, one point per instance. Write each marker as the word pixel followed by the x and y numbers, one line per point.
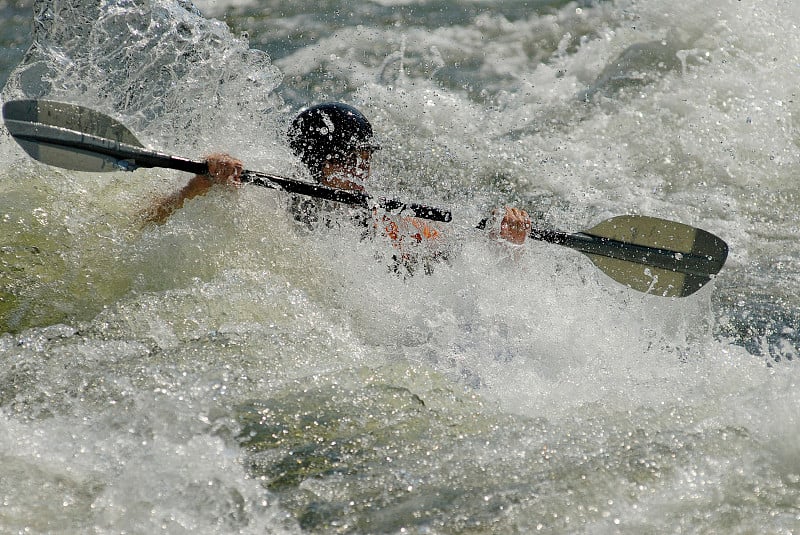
pixel 224 373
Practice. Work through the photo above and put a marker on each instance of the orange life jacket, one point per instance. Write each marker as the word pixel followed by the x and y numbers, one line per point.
pixel 408 228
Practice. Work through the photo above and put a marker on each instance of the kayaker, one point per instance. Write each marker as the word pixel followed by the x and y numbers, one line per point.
pixel 335 142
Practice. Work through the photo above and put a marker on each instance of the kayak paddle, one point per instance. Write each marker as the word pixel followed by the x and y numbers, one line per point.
pixel 647 254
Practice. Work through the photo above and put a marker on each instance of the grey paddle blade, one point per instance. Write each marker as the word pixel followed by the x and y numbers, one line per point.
pixel 53 133
pixel 673 259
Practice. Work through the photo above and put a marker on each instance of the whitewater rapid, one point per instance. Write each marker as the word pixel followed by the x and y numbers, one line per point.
pixel 224 373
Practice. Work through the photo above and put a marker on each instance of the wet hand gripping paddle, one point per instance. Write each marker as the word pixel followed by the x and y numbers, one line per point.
pixel 647 254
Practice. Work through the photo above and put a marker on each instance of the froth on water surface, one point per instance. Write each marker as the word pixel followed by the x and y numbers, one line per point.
pixel 225 372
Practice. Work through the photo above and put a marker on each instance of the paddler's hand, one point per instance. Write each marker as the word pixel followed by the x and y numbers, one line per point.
pixel 514 227
pixel 224 169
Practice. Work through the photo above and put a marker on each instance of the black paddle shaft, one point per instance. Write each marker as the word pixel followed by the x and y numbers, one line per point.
pixel 689 263
pixel 355 198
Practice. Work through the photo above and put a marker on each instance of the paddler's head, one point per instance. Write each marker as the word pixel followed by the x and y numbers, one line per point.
pixel 335 141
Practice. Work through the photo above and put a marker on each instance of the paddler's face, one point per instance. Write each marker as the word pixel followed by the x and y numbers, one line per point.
pixel 349 172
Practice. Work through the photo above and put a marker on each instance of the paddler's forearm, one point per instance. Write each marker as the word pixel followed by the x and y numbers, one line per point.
pixel 199 185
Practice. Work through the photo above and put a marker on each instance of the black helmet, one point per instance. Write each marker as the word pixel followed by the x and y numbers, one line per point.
pixel 329 131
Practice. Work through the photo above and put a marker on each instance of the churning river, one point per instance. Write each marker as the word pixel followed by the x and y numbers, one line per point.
pixel 225 373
